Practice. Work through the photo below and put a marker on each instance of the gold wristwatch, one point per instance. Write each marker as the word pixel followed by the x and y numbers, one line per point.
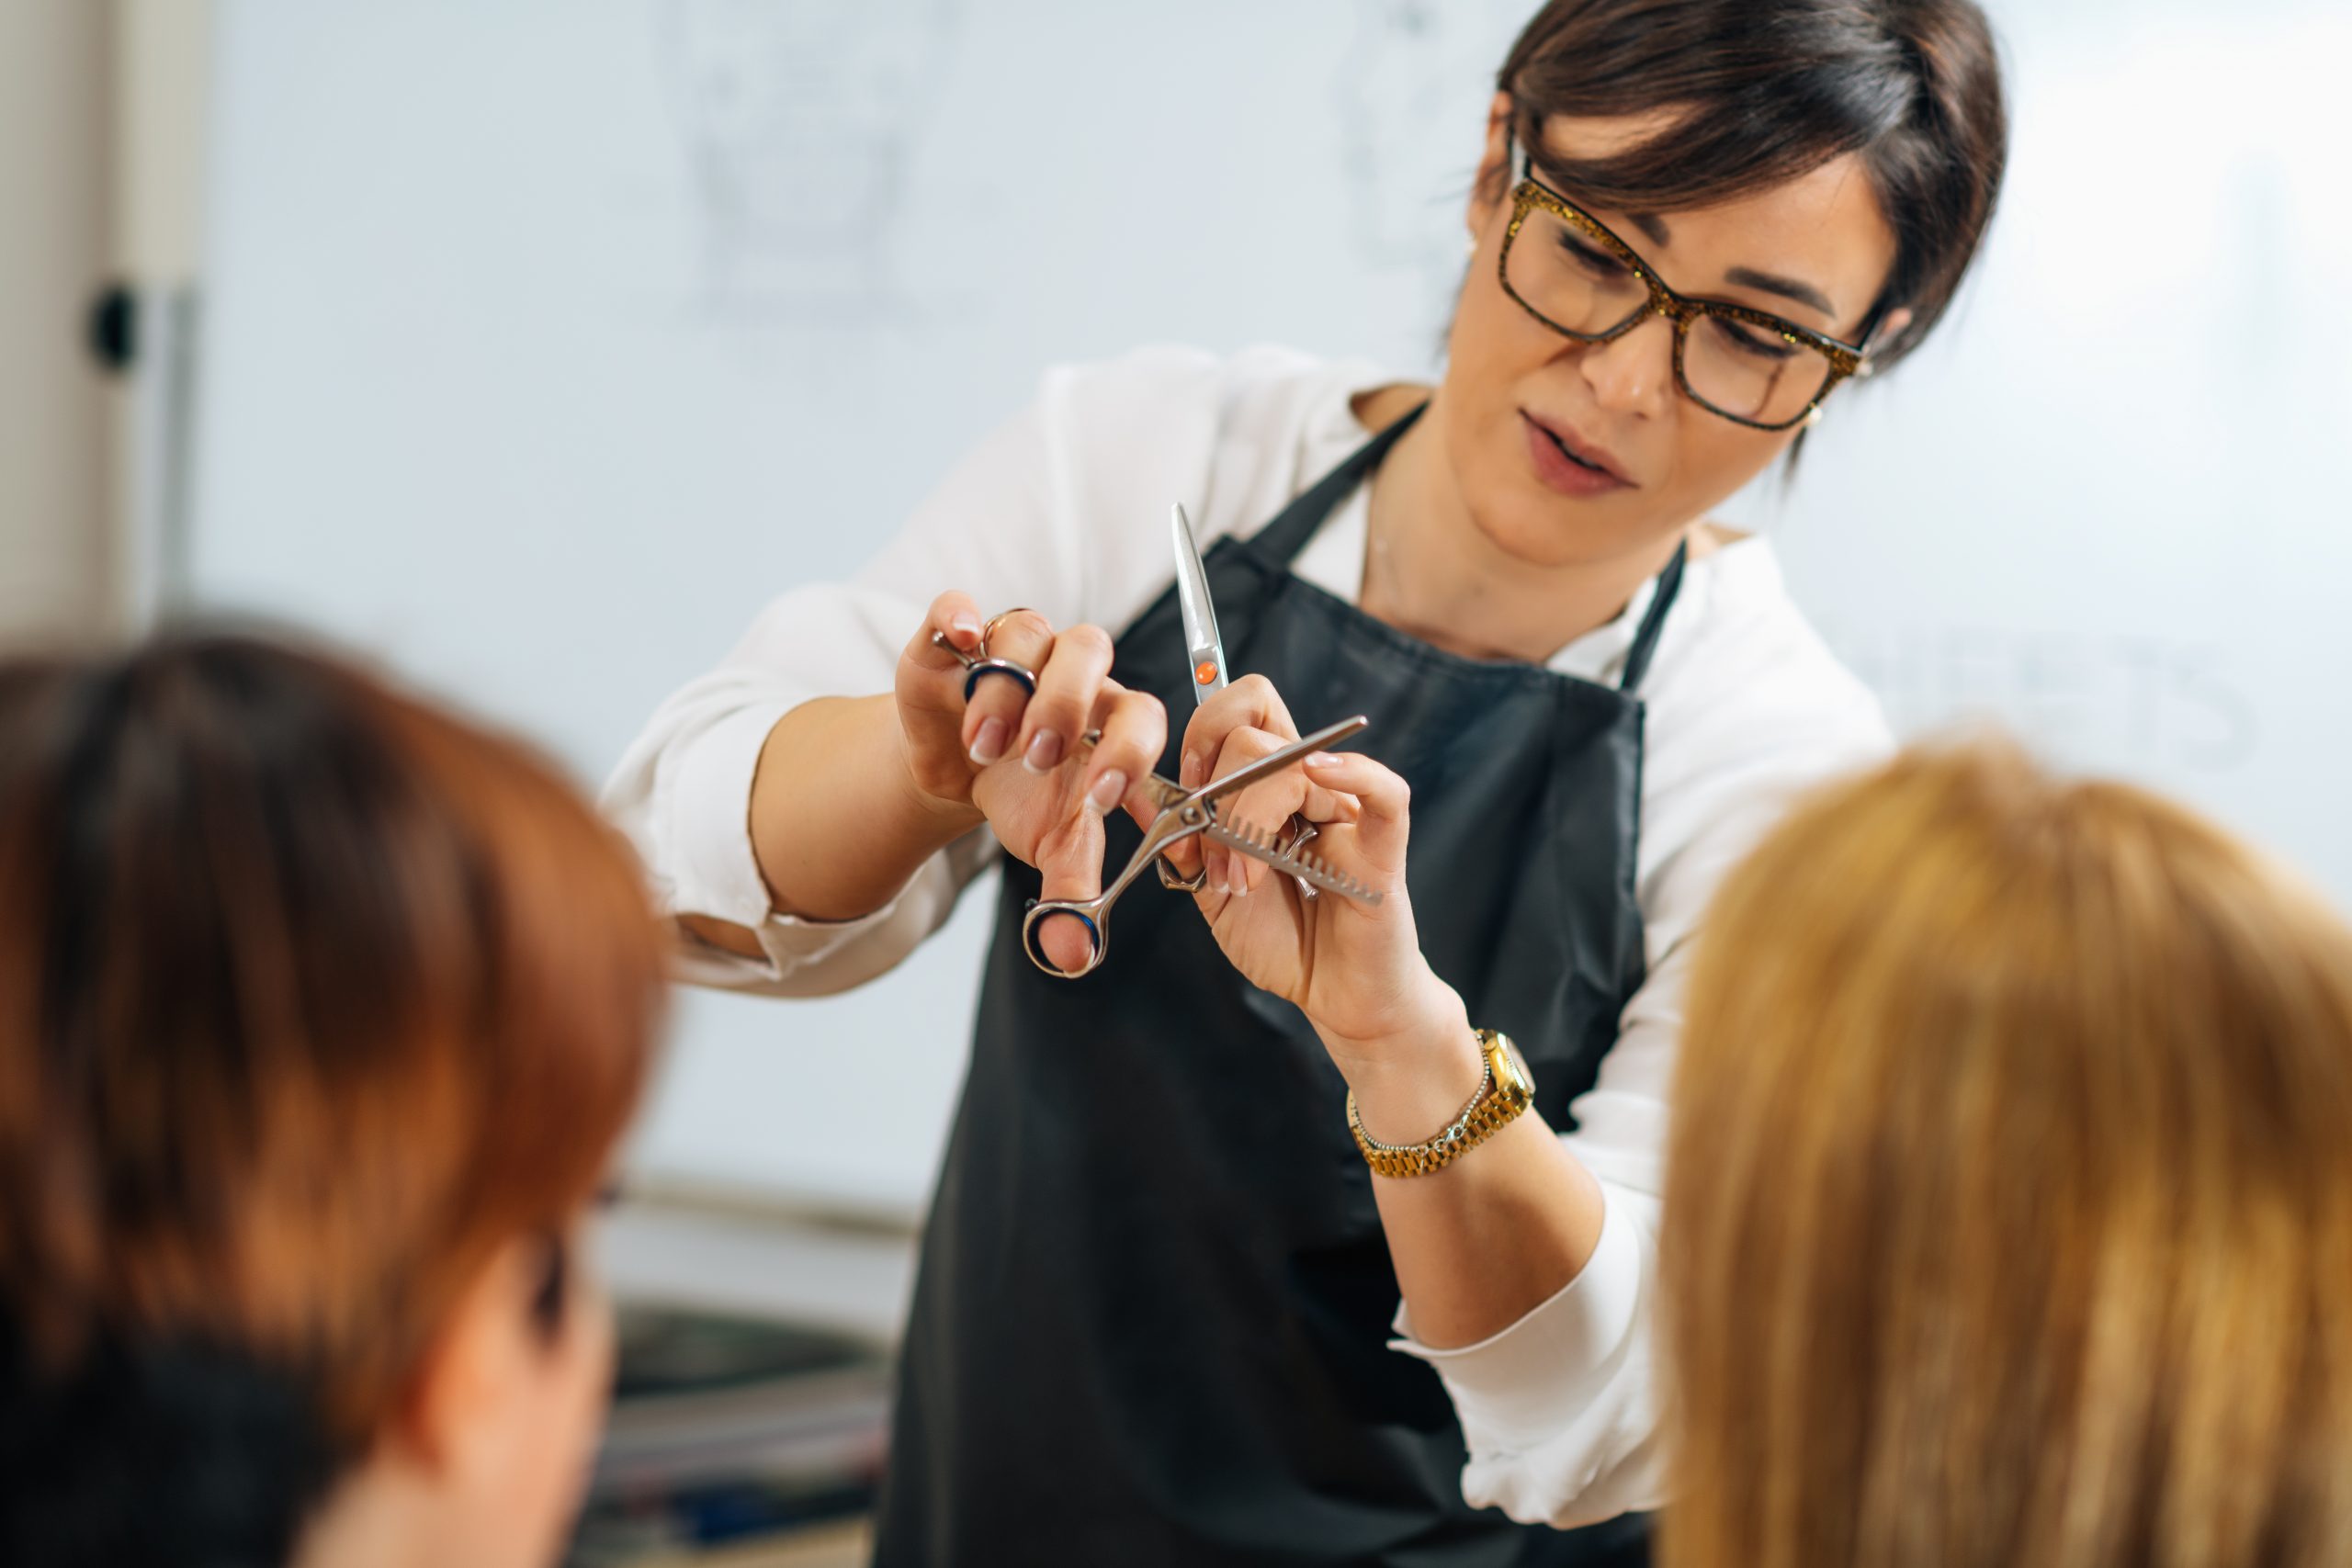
pixel 1506 1090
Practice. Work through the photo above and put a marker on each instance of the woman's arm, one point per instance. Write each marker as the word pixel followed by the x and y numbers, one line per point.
pixel 1525 1275
pixel 852 795
pixel 1483 1242
pixel 771 798
pixel 838 824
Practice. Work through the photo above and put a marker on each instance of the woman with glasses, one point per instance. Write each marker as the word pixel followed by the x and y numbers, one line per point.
pixel 1159 1313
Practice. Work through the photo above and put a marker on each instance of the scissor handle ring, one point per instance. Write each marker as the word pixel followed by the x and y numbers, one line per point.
pixel 981 669
pixel 1038 912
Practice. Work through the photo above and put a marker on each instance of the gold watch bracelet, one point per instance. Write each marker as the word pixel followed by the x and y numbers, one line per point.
pixel 1488 1111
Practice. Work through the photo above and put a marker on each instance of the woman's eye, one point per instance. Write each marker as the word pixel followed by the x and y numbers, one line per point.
pixel 1592 258
pixel 1756 342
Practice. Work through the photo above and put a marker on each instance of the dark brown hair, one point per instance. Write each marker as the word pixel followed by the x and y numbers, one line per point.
pixel 1768 90
pixel 312 999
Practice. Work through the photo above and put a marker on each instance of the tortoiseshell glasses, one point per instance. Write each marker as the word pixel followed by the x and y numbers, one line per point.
pixel 1565 269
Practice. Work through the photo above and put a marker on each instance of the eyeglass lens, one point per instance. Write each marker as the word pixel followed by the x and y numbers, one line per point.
pixel 1570 278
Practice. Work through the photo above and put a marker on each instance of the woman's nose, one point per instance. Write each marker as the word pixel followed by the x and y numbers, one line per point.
pixel 1633 374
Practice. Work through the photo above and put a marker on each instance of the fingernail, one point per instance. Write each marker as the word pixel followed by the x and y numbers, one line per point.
pixel 1108 791
pixel 987 744
pixel 1322 759
pixel 1188 773
pixel 1045 752
pixel 1236 880
pixel 969 625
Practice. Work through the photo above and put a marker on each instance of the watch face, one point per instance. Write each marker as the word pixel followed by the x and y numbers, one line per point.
pixel 1511 1074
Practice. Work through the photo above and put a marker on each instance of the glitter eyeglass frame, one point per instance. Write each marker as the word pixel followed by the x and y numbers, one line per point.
pixel 1847 361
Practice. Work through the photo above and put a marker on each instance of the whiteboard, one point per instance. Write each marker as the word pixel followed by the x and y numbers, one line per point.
pixel 546 339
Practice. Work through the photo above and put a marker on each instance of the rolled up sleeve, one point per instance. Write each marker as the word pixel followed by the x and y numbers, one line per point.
pixel 1558 1410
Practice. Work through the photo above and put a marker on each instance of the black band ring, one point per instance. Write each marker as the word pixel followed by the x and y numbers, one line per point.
pixel 979 670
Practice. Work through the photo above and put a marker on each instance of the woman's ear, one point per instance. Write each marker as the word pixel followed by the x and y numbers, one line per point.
pixel 1486 191
pixel 1890 328
pixel 489 1349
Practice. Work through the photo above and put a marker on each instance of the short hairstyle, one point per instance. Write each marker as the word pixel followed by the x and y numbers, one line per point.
pixel 1771 89
pixel 312 999
pixel 2008 1213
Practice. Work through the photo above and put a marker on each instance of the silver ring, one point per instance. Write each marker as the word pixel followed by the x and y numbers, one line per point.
pixel 987 629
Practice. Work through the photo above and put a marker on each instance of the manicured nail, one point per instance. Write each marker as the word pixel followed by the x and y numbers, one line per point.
pixel 1321 761
pixel 1188 773
pixel 1108 791
pixel 987 745
pixel 1236 880
pixel 1045 753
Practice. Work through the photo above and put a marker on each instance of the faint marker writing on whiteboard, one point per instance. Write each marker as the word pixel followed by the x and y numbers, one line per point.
pixel 798 118
pixel 2091 700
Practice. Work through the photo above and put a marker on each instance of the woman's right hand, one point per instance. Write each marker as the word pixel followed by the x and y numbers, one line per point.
pixel 935 729
pixel 1017 757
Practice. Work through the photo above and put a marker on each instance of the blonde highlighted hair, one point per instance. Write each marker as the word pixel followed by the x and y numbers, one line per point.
pixel 2009 1208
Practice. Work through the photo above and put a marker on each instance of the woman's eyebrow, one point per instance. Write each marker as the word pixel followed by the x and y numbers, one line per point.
pixel 1654 227
pixel 1650 224
pixel 1786 288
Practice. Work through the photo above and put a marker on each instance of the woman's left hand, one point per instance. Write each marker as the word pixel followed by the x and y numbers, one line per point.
pixel 1355 969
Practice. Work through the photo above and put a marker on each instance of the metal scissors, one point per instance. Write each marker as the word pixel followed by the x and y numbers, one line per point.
pixel 1182 814
pixel 1205 658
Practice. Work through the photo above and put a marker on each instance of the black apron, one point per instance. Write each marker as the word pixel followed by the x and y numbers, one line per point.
pixel 1151 1322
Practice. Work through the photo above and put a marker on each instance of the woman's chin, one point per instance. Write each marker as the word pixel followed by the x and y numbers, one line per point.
pixel 1545 532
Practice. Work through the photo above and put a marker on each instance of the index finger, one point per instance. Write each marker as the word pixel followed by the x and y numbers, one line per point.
pixel 1250 703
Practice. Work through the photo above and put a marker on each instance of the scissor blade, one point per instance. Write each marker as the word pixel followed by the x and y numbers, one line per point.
pixel 1205 652
pixel 1323 740
pixel 1306 867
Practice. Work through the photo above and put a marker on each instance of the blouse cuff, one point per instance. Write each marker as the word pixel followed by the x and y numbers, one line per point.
pixel 709 810
pixel 1517 1387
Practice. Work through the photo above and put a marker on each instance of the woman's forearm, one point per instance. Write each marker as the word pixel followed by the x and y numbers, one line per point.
pixel 1483 1242
pixel 837 823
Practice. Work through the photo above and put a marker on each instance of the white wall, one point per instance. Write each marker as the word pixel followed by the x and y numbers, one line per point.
pixel 549 337
pixel 54 428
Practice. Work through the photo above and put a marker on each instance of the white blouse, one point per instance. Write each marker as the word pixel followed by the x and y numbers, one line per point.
pixel 1065 509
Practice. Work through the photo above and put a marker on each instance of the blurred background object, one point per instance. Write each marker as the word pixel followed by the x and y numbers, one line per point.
pixel 533 345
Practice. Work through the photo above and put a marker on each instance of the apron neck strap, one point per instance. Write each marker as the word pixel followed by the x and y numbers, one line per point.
pixel 1645 635
pixel 1287 535
pixel 1296 524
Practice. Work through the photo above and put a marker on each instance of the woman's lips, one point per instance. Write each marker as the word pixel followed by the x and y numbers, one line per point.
pixel 1567 466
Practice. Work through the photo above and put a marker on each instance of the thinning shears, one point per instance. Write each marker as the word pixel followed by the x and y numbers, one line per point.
pixel 1184 813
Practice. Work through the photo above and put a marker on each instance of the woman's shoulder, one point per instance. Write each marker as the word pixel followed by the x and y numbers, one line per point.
pixel 1229 434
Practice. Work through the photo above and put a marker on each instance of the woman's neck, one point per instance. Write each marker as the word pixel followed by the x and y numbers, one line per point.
pixel 1431 570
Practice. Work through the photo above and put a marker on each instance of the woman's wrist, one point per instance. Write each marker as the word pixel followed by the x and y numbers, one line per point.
pixel 1412 1081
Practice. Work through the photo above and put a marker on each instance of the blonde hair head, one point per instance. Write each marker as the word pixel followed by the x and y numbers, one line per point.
pixel 2010 1209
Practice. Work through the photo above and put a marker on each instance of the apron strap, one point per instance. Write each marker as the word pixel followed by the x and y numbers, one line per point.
pixel 1669 586
pixel 1293 525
